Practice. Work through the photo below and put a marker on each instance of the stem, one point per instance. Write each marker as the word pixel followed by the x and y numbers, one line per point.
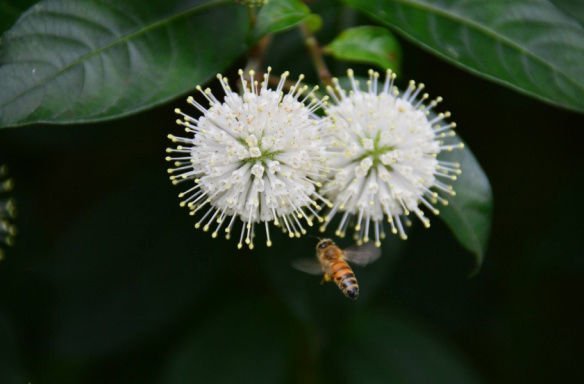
pixel 252 14
pixel 256 54
pixel 315 52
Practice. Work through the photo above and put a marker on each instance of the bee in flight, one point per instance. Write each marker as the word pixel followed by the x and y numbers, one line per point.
pixel 331 261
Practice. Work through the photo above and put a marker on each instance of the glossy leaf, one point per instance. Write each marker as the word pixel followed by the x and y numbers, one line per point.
pixel 389 349
pixel 468 214
pixel 247 342
pixel 528 45
pixel 280 15
pixel 371 45
pixel 69 61
pixel 572 8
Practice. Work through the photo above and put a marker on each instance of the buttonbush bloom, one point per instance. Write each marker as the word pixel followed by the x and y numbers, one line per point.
pixel 257 156
pixel 7 229
pixel 385 151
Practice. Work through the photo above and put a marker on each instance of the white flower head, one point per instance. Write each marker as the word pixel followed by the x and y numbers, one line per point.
pixel 7 229
pixel 386 148
pixel 257 156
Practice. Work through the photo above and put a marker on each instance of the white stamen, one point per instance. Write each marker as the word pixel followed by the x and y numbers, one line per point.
pixel 258 156
pixel 384 150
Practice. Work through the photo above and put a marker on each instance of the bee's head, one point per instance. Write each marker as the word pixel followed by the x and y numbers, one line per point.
pixel 322 244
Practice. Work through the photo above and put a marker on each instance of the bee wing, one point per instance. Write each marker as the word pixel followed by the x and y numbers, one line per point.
pixel 310 266
pixel 362 254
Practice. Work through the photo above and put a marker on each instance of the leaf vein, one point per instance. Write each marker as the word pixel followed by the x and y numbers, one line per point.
pixel 122 39
pixel 494 34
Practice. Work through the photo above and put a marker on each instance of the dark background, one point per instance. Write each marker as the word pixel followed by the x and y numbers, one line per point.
pixel 109 281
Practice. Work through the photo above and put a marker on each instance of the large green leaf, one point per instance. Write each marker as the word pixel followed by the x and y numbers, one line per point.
pixel 468 214
pixel 366 44
pixel 572 8
pixel 377 348
pixel 528 45
pixel 69 61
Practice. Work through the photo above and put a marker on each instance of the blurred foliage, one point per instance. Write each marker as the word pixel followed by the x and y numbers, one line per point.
pixel 168 279
pixel 396 350
pixel 7 211
pixel 278 16
pixel 109 282
pixel 10 366
pixel 382 49
pixel 259 347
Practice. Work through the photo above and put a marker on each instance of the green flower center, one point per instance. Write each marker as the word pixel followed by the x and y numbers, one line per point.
pixel 376 152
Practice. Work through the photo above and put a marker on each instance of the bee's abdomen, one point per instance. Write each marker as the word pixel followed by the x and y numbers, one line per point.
pixel 345 279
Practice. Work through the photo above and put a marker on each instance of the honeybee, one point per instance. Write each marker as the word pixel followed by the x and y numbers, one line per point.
pixel 331 261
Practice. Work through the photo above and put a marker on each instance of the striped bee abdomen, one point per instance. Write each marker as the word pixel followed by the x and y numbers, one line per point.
pixel 345 279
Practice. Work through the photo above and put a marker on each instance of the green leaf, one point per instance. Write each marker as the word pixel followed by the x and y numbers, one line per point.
pixel 372 45
pixel 379 348
pixel 280 15
pixel 528 45
pixel 248 342
pixel 468 214
pixel 314 22
pixel 572 8
pixel 70 61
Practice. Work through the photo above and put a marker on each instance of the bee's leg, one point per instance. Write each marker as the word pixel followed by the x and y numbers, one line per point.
pixel 325 278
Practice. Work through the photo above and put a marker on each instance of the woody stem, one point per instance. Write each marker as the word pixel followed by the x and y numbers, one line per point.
pixel 315 52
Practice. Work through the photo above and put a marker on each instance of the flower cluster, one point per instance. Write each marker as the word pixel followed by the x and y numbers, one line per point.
pixel 264 156
pixel 257 156
pixel 7 229
pixel 385 149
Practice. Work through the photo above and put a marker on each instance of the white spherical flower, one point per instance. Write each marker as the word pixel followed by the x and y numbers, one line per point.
pixel 7 229
pixel 386 147
pixel 257 156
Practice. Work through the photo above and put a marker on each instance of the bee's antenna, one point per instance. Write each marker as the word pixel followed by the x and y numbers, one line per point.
pixel 315 237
